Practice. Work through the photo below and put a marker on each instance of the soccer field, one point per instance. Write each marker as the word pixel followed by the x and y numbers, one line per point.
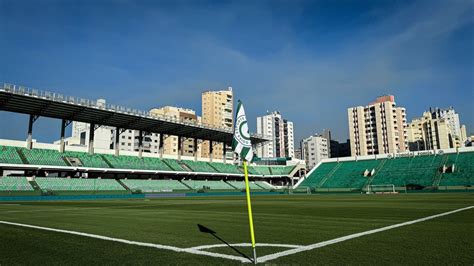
pixel 164 231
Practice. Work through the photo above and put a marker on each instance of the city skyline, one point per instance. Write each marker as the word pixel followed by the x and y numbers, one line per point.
pixel 308 73
pixel 50 121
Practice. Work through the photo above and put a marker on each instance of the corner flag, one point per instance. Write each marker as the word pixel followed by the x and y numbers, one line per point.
pixel 242 145
pixel 241 142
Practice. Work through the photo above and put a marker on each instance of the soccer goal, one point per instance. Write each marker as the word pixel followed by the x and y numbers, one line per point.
pixel 386 188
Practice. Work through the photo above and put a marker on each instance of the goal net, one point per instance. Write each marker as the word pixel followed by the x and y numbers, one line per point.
pixel 386 188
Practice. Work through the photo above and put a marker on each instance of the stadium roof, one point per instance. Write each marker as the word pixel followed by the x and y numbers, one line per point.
pixel 19 99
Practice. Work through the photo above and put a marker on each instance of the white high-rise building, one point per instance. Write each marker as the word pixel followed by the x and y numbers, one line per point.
pixel 314 149
pixel 453 122
pixel 378 128
pixel 281 135
pixel 170 143
pixel 128 141
pixel 429 133
pixel 436 129
pixel 104 138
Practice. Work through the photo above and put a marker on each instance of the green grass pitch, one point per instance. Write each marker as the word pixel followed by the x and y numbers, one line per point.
pixel 286 219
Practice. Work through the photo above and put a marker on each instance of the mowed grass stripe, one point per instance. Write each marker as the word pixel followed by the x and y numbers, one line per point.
pixel 442 241
pixel 262 259
pixel 266 223
pixel 32 247
pixel 284 219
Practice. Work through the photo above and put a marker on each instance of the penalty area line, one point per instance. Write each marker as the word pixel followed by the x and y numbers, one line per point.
pixel 348 237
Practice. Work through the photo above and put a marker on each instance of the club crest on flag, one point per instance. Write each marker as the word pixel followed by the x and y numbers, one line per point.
pixel 241 143
pixel 242 133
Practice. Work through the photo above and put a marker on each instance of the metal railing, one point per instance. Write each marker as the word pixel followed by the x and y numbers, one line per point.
pixel 57 97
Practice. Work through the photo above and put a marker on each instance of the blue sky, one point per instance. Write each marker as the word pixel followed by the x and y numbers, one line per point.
pixel 310 60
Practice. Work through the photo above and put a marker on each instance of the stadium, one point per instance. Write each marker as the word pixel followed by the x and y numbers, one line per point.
pixel 60 204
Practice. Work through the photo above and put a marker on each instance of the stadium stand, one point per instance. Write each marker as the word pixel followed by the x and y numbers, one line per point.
pixel 13 183
pixel 463 174
pixel 200 166
pixel 175 165
pixel 282 170
pixel 259 170
pixel 419 170
pixel 77 184
pixel 422 171
pixel 42 157
pixel 207 184
pixel 264 185
pixel 350 174
pixel 241 185
pixel 50 157
pixel 319 174
pixel 225 168
pixel 88 160
pixel 10 155
pixel 133 162
pixel 154 185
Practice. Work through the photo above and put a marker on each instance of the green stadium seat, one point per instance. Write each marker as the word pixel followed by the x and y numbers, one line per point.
pixel 423 171
pixel 318 174
pixel 212 185
pixel 13 183
pixel 419 170
pixel 350 174
pixel 241 185
pixel 43 157
pixel 198 166
pixel 281 170
pixel 9 155
pixel 175 165
pixel 264 185
pixel 134 162
pixel 259 170
pixel 88 160
pixel 226 168
pixel 78 184
pixel 154 185
pixel 463 174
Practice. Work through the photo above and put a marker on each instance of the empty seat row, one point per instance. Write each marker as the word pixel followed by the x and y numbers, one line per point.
pixel 207 184
pixel 77 184
pixel 424 171
pixel 43 157
pixel 200 166
pixel 14 183
pixel 154 185
pixel 18 155
pixel 241 185
pixel 9 155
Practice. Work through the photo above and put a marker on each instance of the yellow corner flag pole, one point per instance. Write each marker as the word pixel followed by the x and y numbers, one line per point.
pixel 249 206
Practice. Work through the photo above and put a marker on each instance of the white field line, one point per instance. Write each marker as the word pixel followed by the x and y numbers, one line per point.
pixel 198 250
pixel 344 238
pixel 244 245
pixel 51 210
pixel 46 209
pixel 158 246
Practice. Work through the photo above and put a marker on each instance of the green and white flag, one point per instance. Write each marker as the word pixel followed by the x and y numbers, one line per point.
pixel 241 143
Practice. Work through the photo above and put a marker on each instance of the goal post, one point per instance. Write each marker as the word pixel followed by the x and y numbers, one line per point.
pixel 390 188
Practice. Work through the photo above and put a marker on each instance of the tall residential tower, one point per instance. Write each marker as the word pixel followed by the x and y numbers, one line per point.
pixel 378 128
pixel 436 129
pixel 170 143
pixel 280 133
pixel 217 111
